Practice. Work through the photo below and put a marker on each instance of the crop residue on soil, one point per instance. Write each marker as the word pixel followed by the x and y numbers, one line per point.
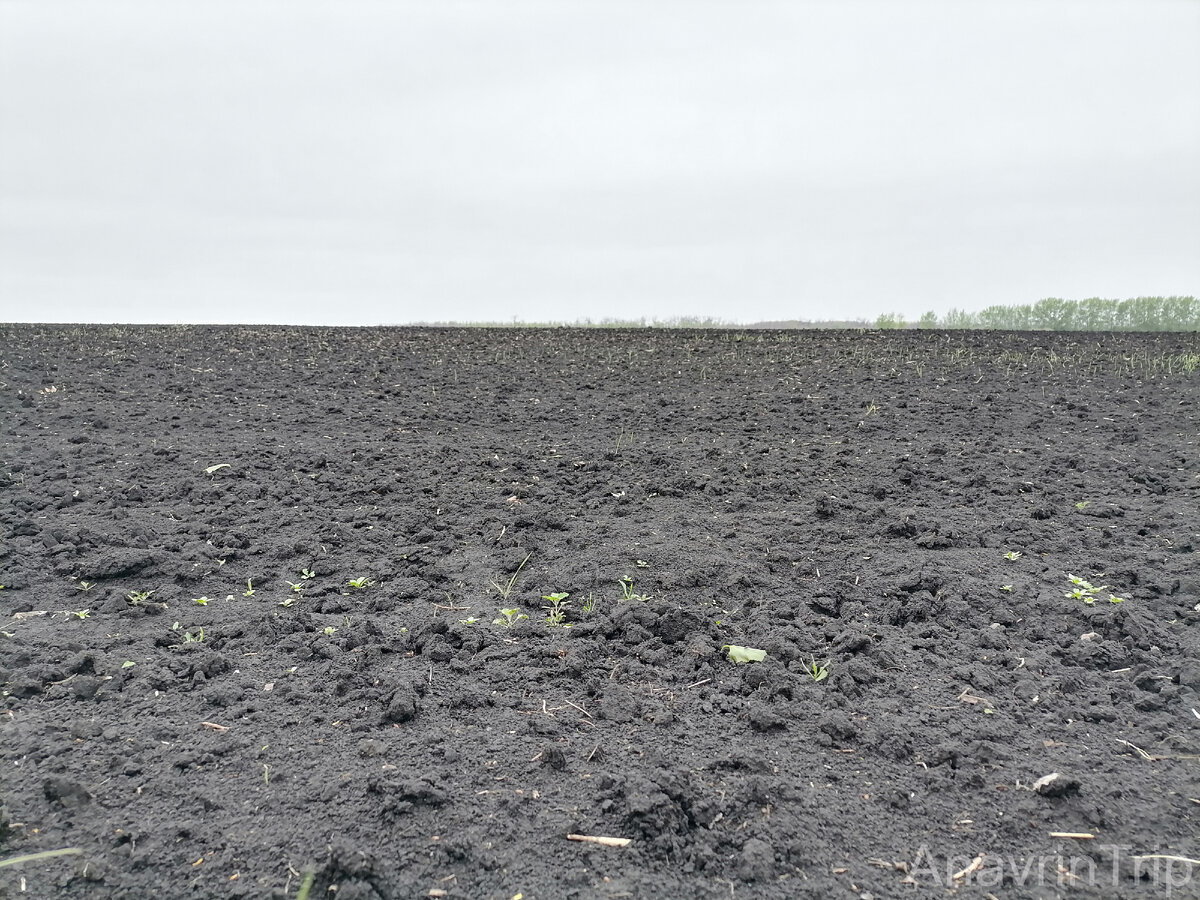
pixel 197 697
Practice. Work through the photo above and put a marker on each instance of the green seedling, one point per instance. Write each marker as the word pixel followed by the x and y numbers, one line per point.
pixel 81 614
pixel 138 597
pixel 507 588
pixel 469 620
pixel 128 664
pixel 85 585
pixel 628 593
pixel 642 564
pixel 1087 592
pixel 306 574
pixel 288 601
pixel 296 586
pixel 249 592
pixel 1083 504
pixel 217 468
pixel 330 630
pixel 556 612
pixel 1012 555
pixel 1007 588
pixel 817 671
pixel 744 654
pixel 202 601
pixel 306 885
pixel 188 637
pixel 509 617
pixel 589 604
pixel 361 583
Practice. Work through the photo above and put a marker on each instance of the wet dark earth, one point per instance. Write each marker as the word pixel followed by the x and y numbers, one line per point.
pixel 252 576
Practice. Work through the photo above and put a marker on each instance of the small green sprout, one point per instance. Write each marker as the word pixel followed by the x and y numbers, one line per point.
pixel 507 588
pixel 557 610
pixel 1083 504
pixel 128 664
pixel 469 620
pixel 509 617
pixel 817 671
pixel 1012 555
pixel 744 654
pixel 202 601
pixel 189 638
pixel 306 574
pixel 589 604
pixel 85 585
pixel 287 601
pixel 137 597
pixel 81 614
pixel 642 564
pixel 249 592
pixel 360 583
pixel 209 470
pixel 330 630
pixel 296 586
pixel 306 884
pixel 628 593
pixel 1087 592
pixel 1007 588
pixel 1083 584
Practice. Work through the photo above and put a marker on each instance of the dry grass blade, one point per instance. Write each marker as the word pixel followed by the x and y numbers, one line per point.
pixel 36 857
pixel 599 839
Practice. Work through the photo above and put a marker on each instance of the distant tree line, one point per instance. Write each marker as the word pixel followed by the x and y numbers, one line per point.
pixel 1053 314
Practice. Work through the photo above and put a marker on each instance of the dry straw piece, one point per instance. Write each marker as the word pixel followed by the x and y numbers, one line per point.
pixel 603 841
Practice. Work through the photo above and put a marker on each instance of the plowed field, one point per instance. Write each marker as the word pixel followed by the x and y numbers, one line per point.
pixel 198 699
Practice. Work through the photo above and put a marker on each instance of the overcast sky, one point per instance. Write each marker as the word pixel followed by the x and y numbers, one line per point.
pixel 351 162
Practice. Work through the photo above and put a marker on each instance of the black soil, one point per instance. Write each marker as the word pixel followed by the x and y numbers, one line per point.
pixel 853 502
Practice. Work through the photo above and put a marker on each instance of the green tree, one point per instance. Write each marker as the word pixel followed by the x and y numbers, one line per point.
pixel 889 320
pixel 1094 314
pixel 1053 314
pixel 959 318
